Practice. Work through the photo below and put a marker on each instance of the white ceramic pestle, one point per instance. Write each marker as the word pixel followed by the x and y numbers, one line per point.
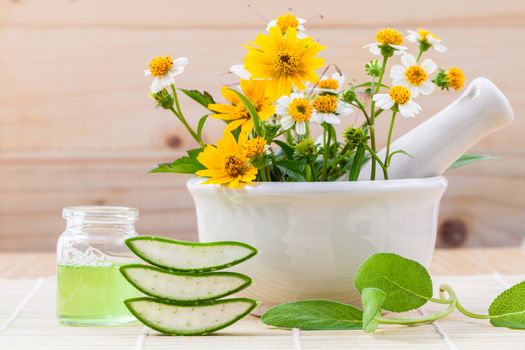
pixel 439 141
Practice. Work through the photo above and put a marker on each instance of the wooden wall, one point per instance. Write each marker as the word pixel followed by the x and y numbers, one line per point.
pixel 77 126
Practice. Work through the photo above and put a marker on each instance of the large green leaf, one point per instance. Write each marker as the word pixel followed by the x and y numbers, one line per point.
pixel 287 149
pixel 406 283
pixel 372 299
pixel 314 315
pixel 508 309
pixel 466 159
pixel 184 165
pixel 203 98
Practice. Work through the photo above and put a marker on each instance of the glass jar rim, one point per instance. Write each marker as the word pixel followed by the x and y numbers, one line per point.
pixel 101 213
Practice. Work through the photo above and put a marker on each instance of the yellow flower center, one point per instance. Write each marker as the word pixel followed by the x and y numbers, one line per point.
pixel 254 147
pixel 285 63
pixel 300 110
pixel 389 36
pixel 242 112
pixel 399 94
pixel 234 165
pixel 325 103
pixel 330 84
pixel 415 75
pixel 288 20
pixel 455 78
pixel 160 65
pixel 423 32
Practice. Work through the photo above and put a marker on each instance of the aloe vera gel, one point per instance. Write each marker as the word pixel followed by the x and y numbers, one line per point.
pixel 90 288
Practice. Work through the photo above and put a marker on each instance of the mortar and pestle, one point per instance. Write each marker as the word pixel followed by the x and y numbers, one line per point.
pixel 314 235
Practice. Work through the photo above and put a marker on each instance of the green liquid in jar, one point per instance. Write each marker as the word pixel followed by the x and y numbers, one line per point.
pixel 93 295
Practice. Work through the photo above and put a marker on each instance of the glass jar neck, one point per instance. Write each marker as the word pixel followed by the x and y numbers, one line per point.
pixel 100 220
pixel 93 228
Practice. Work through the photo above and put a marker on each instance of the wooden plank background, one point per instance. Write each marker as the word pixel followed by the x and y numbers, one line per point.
pixel 77 126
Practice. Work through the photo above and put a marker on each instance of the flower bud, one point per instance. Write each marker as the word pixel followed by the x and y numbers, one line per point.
pixel 373 68
pixel 349 96
pixel 354 136
pixel 163 99
pixel 305 148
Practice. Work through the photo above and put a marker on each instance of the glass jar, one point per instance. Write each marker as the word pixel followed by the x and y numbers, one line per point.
pixel 90 287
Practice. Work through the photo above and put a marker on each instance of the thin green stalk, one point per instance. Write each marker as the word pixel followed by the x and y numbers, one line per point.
pixel 373 114
pixel 450 291
pixel 377 159
pixel 419 55
pixel 389 139
pixel 180 116
pixel 419 320
pixel 326 150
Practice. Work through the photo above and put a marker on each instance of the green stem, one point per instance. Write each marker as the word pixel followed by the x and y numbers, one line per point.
pixel 377 159
pixel 387 155
pixel 373 114
pixel 450 291
pixel 419 55
pixel 289 137
pixel 180 116
pixel 308 175
pixel 327 140
pixel 418 320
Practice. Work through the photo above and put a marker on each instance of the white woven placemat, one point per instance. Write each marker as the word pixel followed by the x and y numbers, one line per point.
pixel 27 321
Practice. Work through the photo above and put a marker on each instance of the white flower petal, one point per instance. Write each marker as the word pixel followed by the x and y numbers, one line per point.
pixel 427 88
pixel 300 128
pixel 300 33
pixel 408 60
pixel 429 66
pixel 287 122
pixel 331 119
pixel 238 70
pixel 413 36
pixel 317 117
pixel 344 109
pixel 383 101
pixel 397 71
pixel 156 85
pixel 272 23
pixel 180 62
pixel 296 95
pixel 432 40
pixel 440 48
pixel 373 48
pixel 414 91
pixel 409 109
pixel 400 49
pixel 147 73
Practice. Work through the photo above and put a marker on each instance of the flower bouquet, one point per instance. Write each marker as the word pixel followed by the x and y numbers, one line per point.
pixel 270 181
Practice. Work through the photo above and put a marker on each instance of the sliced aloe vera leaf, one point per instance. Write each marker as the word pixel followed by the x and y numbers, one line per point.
pixel 179 319
pixel 183 286
pixel 189 256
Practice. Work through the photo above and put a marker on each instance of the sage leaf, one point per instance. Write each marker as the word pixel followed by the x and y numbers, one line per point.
pixel 406 282
pixel 466 159
pixel 508 309
pixel 314 315
pixel 372 299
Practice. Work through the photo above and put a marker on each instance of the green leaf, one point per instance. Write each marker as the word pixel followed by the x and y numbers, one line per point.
pixel 314 315
pixel 466 159
pixel 184 165
pixel 253 112
pixel 203 98
pixel 509 308
pixel 202 121
pixel 406 282
pixel 372 299
pixel 294 169
pixel 399 151
pixel 357 163
pixel 287 149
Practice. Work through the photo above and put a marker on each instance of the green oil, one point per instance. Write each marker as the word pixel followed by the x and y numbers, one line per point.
pixel 93 295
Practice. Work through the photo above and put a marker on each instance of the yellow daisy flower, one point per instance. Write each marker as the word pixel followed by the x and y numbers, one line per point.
pixel 236 113
pixel 226 164
pixel 455 78
pixel 284 60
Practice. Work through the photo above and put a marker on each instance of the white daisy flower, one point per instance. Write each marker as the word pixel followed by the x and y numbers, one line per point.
pixel 294 110
pixel 238 70
pixel 164 69
pixel 387 37
pixel 426 38
pixel 328 109
pixel 398 96
pixel 288 20
pixel 332 84
pixel 413 75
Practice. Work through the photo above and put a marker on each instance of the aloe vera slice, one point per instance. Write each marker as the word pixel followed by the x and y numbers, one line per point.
pixel 176 319
pixel 183 286
pixel 189 256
